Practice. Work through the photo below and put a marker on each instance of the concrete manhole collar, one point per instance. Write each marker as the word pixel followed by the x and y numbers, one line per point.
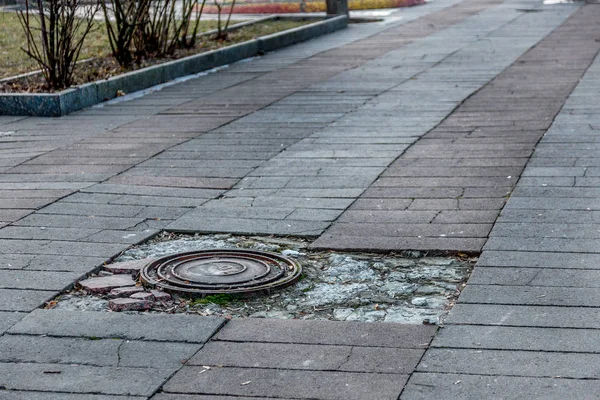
pixel 220 271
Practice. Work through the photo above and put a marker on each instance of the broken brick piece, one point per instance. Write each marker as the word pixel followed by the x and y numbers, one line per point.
pixel 128 267
pixel 104 284
pixel 129 304
pixel 125 291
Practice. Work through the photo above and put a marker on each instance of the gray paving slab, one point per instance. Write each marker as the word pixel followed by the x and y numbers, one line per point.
pixel 308 357
pixel 8 319
pixel 518 338
pixel 531 295
pixel 327 333
pixel 511 363
pixel 24 300
pixel 167 396
pixel 31 395
pixel 94 351
pixel 185 328
pixel 564 278
pixel 544 244
pixel 44 262
pixel 520 315
pixel 425 386
pixel 192 223
pixel 525 259
pixel 36 280
pixel 81 379
pixel 285 383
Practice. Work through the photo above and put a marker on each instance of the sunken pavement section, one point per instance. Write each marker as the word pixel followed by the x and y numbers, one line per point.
pixel 366 139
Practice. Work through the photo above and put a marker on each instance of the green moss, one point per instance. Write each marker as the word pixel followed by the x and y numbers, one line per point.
pixel 219 299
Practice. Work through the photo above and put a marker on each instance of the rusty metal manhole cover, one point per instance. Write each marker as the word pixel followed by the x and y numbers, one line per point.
pixel 206 272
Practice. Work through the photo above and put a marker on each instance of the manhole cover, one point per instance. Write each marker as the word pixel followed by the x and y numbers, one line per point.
pixel 221 271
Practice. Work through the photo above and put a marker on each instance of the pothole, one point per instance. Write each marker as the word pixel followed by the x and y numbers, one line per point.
pixel 412 287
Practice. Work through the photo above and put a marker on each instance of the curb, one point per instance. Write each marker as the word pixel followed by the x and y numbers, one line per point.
pixel 89 94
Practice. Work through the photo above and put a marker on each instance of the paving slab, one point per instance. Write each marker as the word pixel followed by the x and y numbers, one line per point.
pixel 94 351
pixel 511 363
pixel 308 357
pixel 167 396
pixel 81 379
pixel 425 386
pixel 521 315
pixel 36 280
pixel 24 300
pixel 531 295
pixel 327 333
pixel 537 259
pixel 185 328
pixel 8 319
pixel 285 383
pixel 518 338
pixel 32 395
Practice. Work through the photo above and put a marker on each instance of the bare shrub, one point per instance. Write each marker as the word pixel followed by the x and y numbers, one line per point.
pixel 157 35
pixel 123 21
pixel 190 11
pixel 55 31
pixel 222 30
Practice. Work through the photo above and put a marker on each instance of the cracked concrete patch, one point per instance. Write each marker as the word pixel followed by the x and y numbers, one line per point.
pixel 343 286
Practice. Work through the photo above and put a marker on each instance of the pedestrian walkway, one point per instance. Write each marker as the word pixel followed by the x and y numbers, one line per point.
pixel 409 134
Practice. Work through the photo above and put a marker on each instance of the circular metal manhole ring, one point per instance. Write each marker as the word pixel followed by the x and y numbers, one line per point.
pixel 218 271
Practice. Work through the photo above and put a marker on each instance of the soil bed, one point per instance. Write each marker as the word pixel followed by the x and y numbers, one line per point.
pixel 407 288
pixel 104 66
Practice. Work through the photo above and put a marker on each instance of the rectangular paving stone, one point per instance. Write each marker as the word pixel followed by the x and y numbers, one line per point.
pixel 511 363
pixel 466 217
pixel 183 328
pixel 387 243
pixel 153 191
pixel 86 209
pixel 36 280
pixel 44 262
pixel 192 224
pixel 124 237
pixel 503 276
pixel 531 295
pixel 518 338
pixel 327 333
pixel 169 396
pixel 43 233
pixel 23 300
pixel 529 230
pixel 409 230
pixel 286 383
pixel 377 216
pixel 31 395
pixel 95 352
pixel 572 245
pixel 308 357
pixel 78 221
pixel 8 319
pixel 82 379
pixel 525 259
pixel 425 386
pixel 537 277
pixel 517 315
